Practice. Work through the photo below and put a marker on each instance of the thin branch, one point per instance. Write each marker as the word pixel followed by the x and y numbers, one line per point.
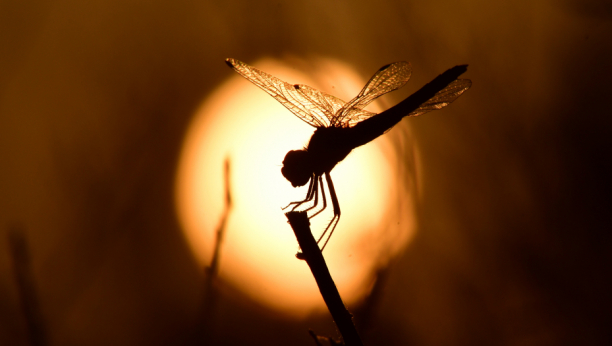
pixel 210 297
pixel 22 269
pixel 214 264
pixel 314 258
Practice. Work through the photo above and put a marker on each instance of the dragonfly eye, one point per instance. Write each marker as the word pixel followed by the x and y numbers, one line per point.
pixel 297 167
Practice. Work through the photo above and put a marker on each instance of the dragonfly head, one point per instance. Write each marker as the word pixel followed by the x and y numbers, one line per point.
pixel 297 167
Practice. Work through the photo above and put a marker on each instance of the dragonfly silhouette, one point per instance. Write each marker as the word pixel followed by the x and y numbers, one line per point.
pixel 343 126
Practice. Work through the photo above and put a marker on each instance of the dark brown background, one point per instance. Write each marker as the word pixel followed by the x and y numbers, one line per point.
pixel 514 235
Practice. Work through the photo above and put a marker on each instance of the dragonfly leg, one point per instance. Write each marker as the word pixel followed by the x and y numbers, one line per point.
pixel 322 197
pixel 309 195
pixel 313 193
pixel 334 222
pixel 316 195
pixel 300 255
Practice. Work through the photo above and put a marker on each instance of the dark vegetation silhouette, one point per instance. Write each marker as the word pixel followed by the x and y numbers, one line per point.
pixel 26 287
pixel 210 293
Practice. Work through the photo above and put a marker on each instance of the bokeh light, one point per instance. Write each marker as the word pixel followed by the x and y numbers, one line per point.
pixel 244 125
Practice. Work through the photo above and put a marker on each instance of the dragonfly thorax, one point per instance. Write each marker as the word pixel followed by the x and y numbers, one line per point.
pixel 327 147
pixel 297 167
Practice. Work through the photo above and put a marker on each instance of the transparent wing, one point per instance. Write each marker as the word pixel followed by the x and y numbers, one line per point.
pixel 318 100
pixel 355 115
pixel 443 97
pixel 387 78
pixel 314 107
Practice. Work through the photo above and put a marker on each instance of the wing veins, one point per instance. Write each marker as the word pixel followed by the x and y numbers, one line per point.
pixel 289 95
pixel 386 79
pixel 443 97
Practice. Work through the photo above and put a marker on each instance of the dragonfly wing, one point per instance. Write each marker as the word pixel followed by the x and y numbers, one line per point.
pixel 443 97
pixel 356 115
pixel 318 100
pixel 297 98
pixel 387 78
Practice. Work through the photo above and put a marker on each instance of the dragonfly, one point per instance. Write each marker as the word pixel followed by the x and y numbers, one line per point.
pixel 343 126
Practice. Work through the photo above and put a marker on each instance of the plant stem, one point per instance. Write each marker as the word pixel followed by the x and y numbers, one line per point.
pixel 314 258
pixel 22 271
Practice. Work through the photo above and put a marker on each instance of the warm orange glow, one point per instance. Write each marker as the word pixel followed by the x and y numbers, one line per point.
pixel 243 123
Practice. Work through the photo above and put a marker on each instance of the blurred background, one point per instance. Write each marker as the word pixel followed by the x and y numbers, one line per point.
pixel 510 231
